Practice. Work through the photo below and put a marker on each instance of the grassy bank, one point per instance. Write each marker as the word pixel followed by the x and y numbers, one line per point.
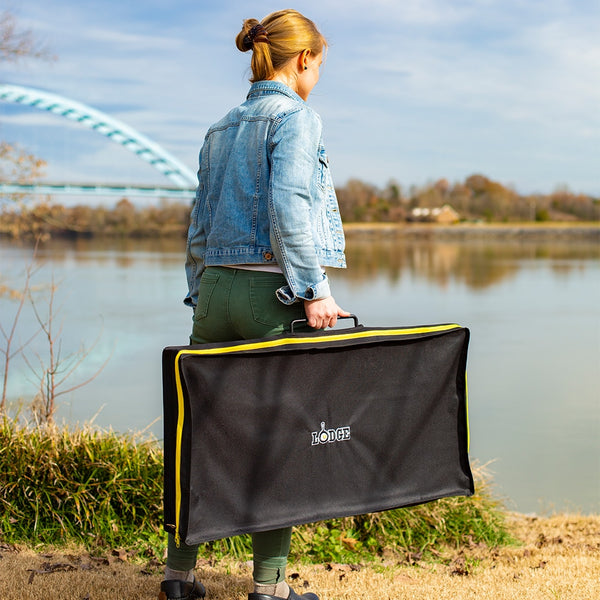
pixel 59 486
pixel 103 490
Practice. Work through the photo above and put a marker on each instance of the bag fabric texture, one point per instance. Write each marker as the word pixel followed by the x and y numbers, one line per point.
pixel 263 434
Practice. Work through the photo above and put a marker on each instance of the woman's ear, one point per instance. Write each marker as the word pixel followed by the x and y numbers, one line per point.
pixel 303 60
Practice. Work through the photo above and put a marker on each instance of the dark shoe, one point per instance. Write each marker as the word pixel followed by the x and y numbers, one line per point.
pixel 292 596
pixel 174 589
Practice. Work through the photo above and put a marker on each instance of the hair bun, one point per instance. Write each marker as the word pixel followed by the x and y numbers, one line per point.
pixel 257 34
pixel 252 31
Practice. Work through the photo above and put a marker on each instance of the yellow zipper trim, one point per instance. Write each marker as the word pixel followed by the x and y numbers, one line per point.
pixel 270 344
pixel 467 413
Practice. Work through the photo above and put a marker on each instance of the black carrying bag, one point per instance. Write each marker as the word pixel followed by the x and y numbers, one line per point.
pixel 263 434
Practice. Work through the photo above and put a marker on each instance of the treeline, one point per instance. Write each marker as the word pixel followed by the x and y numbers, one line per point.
pixel 477 199
pixel 125 219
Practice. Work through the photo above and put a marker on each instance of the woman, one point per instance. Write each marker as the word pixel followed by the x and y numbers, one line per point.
pixel 264 225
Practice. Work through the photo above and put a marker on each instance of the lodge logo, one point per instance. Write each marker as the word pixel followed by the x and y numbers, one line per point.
pixel 328 436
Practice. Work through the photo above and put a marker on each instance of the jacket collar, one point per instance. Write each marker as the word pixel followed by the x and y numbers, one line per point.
pixel 267 86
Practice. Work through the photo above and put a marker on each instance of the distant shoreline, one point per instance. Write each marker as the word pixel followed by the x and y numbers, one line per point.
pixel 506 231
pixel 567 231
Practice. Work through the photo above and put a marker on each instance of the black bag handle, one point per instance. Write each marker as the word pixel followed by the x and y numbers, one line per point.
pixel 304 321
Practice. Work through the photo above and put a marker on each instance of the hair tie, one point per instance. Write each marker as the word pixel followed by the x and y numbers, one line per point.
pixel 258 33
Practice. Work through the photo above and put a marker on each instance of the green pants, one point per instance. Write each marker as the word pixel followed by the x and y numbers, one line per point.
pixel 237 304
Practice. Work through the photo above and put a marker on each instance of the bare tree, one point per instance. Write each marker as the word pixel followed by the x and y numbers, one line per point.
pixel 18 166
pixel 17 43
pixel 9 351
pixel 54 371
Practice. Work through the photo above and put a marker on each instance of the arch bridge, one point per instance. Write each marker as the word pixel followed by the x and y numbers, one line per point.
pixel 181 176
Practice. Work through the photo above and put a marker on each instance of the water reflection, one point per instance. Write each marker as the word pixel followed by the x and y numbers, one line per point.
pixel 122 252
pixel 478 264
pixel 532 307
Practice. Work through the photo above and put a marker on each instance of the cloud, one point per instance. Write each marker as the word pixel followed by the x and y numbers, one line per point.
pixel 535 71
pixel 417 89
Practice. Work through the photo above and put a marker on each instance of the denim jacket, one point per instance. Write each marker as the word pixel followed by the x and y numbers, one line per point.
pixel 265 195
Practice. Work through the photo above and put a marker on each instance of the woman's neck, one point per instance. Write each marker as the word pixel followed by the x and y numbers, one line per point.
pixel 287 78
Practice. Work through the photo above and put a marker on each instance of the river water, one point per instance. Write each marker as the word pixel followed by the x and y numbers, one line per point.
pixel 533 308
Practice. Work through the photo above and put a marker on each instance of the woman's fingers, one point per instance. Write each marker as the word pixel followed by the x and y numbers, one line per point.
pixel 323 313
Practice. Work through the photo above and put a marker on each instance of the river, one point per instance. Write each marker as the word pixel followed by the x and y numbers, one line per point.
pixel 533 308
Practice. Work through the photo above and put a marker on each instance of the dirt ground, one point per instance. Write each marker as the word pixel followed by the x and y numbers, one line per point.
pixel 558 559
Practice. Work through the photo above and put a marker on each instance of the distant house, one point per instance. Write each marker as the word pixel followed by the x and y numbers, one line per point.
pixel 443 214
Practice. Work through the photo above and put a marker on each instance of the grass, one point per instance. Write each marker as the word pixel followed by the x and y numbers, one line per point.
pixel 424 531
pixel 98 488
pixel 103 490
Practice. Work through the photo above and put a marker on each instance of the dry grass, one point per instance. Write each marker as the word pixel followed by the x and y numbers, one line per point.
pixel 558 559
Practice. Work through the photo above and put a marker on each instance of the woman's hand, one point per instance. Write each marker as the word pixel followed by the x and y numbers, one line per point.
pixel 323 313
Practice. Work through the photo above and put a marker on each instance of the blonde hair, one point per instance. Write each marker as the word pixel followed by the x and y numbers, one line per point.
pixel 276 39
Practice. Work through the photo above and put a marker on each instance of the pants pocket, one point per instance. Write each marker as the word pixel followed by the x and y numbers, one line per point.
pixel 208 283
pixel 266 309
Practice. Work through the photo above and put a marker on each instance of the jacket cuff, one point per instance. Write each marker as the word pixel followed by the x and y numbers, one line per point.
pixel 313 292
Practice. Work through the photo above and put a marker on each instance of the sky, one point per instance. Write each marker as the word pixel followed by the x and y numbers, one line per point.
pixel 411 90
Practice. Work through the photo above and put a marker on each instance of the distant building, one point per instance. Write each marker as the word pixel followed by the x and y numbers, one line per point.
pixel 444 214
